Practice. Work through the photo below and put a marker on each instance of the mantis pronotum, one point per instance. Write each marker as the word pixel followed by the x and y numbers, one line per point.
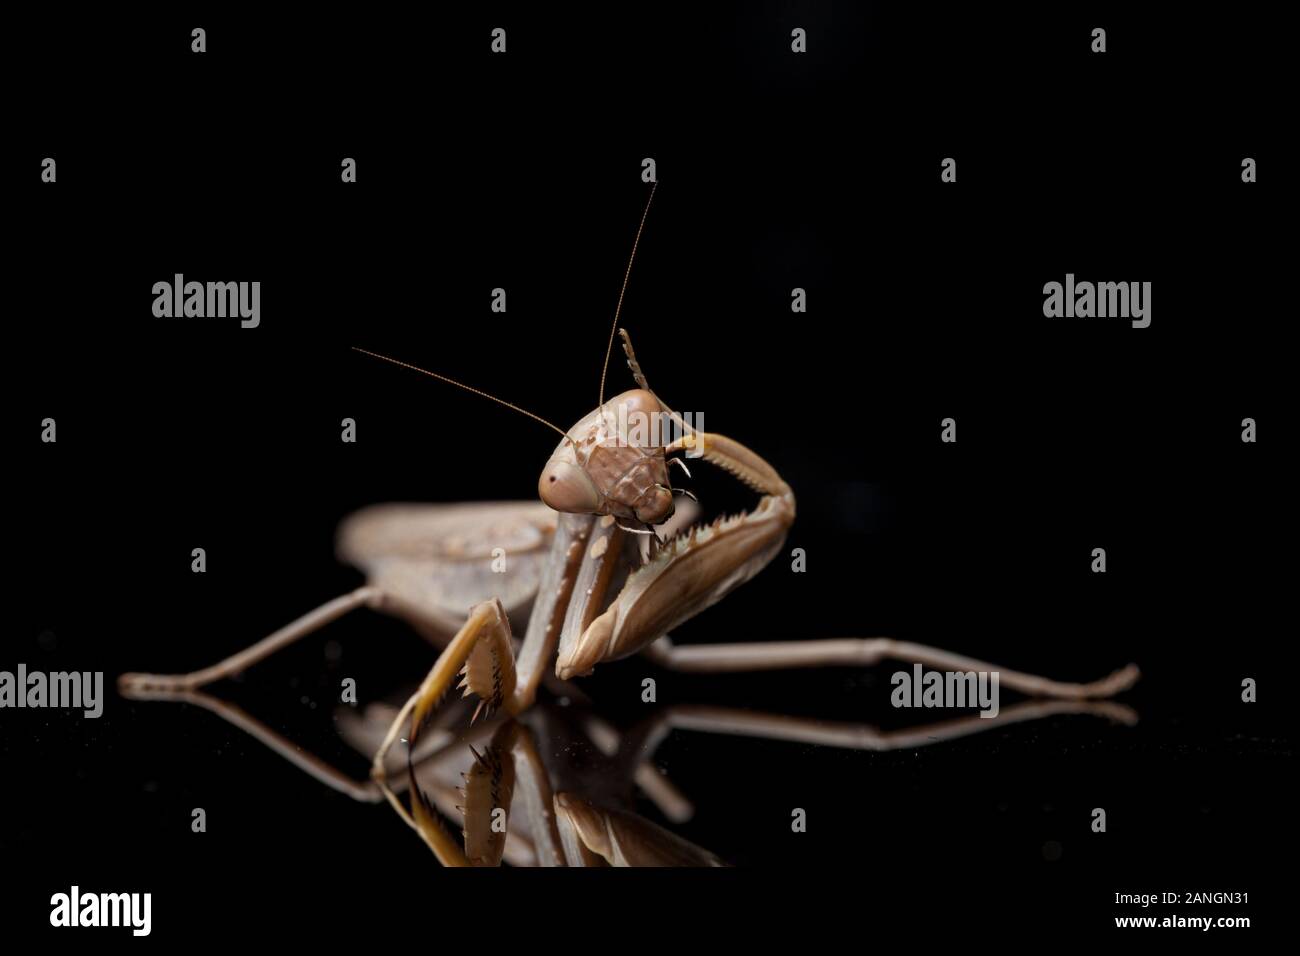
pixel 601 581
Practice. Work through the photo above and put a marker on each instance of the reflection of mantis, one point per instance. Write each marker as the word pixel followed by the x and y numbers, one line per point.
pixel 553 787
pixel 601 583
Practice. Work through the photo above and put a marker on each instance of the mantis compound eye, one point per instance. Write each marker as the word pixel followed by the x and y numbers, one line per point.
pixel 566 487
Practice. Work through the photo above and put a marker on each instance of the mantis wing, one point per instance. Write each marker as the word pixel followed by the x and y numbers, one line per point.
pixel 443 559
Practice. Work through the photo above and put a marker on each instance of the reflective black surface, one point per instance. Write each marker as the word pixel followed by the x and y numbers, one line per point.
pixel 924 304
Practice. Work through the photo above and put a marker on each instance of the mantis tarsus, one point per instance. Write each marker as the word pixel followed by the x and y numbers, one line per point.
pixel 601 583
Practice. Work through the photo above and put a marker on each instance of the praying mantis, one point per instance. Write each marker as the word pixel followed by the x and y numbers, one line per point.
pixel 604 566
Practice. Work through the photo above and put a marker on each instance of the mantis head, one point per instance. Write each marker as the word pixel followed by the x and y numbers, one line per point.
pixel 612 463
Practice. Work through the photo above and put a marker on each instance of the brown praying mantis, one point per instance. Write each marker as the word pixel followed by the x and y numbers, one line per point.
pixel 605 566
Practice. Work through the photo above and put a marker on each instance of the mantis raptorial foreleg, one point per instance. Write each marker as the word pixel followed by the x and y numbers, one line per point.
pixel 693 571
pixel 483 651
pixel 507 777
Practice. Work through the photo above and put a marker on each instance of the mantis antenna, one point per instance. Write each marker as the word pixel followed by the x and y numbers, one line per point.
pixel 618 308
pixel 452 381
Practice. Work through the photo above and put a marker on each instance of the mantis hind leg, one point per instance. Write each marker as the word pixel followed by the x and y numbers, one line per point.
pixel 368 596
pixel 771 655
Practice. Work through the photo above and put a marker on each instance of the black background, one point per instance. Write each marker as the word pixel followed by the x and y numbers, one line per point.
pixel 523 171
